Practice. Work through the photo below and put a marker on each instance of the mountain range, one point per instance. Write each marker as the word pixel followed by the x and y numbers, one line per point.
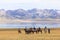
pixel 21 15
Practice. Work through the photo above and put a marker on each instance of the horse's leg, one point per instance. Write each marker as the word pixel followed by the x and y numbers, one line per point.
pixel 33 32
pixel 36 32
pixel 41 31
pixel 20 31
pixel 27 32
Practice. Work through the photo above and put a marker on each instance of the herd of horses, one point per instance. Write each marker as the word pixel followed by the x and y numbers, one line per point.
pixel 35 30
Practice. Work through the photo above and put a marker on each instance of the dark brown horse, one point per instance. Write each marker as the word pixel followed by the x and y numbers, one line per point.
pixel 19 31
pixel 32 30
pixel 49 30
pixel 39 30
pixel 27 30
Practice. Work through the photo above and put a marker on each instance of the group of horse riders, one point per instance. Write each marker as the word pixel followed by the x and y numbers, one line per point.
pixel 33 30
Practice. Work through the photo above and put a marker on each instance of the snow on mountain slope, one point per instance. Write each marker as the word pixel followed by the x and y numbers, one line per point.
pixel 21 15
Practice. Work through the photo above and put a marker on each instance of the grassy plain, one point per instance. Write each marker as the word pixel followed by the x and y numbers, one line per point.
pixel 12 34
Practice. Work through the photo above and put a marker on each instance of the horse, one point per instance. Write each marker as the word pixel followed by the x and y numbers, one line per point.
pixel 45 29
pixel 39 30
pixel 49 30
pixel 19 31
pixel 27 31
pixel 32 30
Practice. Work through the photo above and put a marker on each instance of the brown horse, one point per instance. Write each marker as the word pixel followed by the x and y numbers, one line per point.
pixel 49 30
pixel 27 30
pixel 32 30
pixel 39 30
pixel 19 31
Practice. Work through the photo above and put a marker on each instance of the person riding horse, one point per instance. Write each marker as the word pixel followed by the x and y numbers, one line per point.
pixel 28 30
pixel 45 29
pixel 32 30
pixel 39 30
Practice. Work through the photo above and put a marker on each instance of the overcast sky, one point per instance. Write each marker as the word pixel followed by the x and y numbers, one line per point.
pixel 29 4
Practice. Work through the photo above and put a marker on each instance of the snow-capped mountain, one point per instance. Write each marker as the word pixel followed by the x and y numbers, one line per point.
pixel 43 13
pixel 32 14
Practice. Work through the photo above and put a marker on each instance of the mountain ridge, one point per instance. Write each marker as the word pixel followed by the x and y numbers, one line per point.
pixel 21 15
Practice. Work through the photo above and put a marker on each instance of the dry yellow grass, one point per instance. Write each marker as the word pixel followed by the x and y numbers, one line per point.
pixel 12 34
pixel 54 35
pixel 8 34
